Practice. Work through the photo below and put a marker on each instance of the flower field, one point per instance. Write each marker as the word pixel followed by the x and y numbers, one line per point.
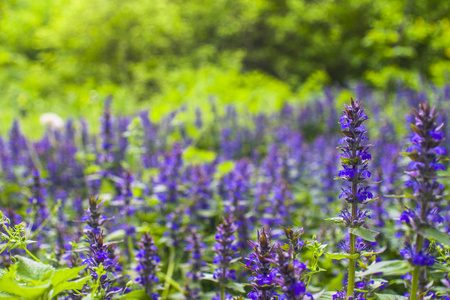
pixel 315 201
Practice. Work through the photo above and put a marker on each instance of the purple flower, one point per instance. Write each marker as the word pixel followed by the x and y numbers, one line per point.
pixel 425 154
pixel 148 262
pixel 196 262
pixel 259 263
pixel 99 252
pixel 225 251
pixel 358 221
pixel 292 275
pixel 38 198
pixel 421 258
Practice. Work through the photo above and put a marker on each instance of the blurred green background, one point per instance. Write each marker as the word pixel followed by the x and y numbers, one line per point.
pixel 66 56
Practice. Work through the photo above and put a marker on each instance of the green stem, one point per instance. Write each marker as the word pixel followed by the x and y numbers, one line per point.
pixel 314 264
pixel 9 242
pixel 222 292
pixel 416 272
pixel 171 281
pixel 30 254
pixel 352 262
pixel 45 222
pixel 351 267
pixel 130 249
pixel 169 274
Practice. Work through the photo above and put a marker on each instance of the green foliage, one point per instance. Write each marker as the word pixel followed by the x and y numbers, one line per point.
pixel 388 268
pixel 390 297
pixel 65 56
pixel 339 256
pixel 436 235
pixel 28 279
pixel 366 234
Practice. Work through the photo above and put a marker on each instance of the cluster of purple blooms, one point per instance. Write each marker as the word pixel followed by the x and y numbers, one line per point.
pixel 426 154
pixel 225 249
pixel 148 261
pixel 276 172
pixel 260 264
pixel 355 171
pixel 100 253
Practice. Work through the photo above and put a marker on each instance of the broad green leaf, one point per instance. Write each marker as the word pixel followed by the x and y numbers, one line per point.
pixel 348 161
pixel 115 235
pixel 236 287
pixel 136 295
pixel 377 283
pixel 31 270
pixel 437 235
pixel 388 268
pixel 390 297
pixel 70 285
pixel 340 256
pixel 441 267
pixel 366 234
pixel 224 168
pixel 197 156
pixel 92 169
pixel 8 296
pixel 9 286
pixel 364 253
pixel 327 296
pixel 207 296
pixel 209 276
pixel 337 220
pixel 66 275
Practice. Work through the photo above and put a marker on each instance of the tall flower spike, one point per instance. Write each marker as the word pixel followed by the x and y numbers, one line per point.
pixel 148 261
pixel 195 247
pixel 38 198
pixel 196 263
pixel 425 153
pixel 225 253
pixel 291 278
pixel 100 253
pixel 107 134
pixel 354 160
pixel 259 263
pixel 93 219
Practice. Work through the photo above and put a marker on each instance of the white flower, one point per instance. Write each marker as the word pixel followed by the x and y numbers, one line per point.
pixel 51 121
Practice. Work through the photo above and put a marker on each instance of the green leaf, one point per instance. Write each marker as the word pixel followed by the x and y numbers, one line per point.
pixel 115 235
pixel 364 253
pixel 285 247
pixel 388 268
pixel 340 256
pixel 442 267
pixel 236 287
pixel 366 234
pixel 92 169
pixel 31 270
pixel 390 297
pixel 8 296
pixel 437 235
pixel 349 161
pixel 66 275
pixel 224 168
pixel 70 285
pixel 327 296
pixel 209 276
pixel 197 156
pixel 337 220
pixel 2 272
pixel 9 285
